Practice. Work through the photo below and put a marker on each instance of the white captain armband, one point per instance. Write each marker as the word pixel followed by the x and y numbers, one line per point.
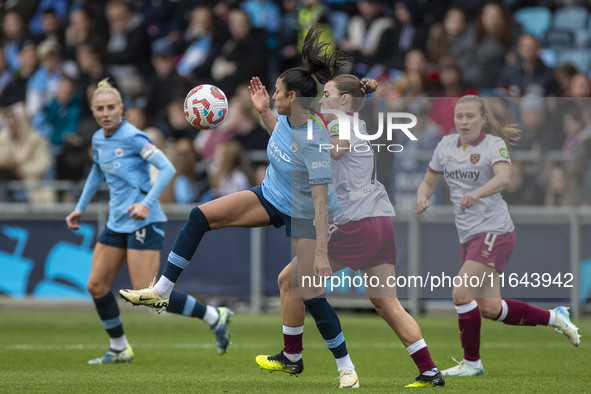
pixel 148 151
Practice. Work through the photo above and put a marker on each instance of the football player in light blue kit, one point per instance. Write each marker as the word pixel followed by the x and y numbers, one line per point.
pixel 295 192
pixel 122 156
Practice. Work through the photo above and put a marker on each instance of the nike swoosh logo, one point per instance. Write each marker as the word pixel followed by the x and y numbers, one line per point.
pixel 145 299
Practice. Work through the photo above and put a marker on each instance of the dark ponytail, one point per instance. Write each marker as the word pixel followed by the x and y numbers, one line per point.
pixel 321 62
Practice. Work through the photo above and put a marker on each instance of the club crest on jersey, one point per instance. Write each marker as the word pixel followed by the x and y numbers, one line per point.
pixel 474 158
pixel 118 152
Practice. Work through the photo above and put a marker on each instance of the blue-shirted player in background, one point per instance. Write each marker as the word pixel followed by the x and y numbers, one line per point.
pixel 122 156
pixel 295 192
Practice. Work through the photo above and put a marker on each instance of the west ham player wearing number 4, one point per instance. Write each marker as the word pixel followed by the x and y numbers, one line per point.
pixel 477 167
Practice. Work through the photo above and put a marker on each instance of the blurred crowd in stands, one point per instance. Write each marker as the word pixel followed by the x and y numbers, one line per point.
pixel 532 57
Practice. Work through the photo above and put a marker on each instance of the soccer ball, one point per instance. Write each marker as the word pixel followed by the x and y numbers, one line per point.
pixel 206 107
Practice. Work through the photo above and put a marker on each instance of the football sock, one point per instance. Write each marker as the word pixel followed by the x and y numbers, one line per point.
pixel 118 344
pixel 469 321
pixel 184 304
pixel 108 311
pixel 475 364
pixel 211 315
pixel 420 354
pixel 345 364
pixel 329 325
pixel 292 342
pixel 514 312
pixel 185 245
pixel 164 286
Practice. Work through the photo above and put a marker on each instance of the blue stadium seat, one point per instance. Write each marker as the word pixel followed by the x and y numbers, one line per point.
pixel 572 18
pixel 567 24
pixel 577 57
pixel 559 39
pixel 534 20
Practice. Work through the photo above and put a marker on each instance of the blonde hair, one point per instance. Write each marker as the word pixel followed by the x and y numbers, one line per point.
pixel 509 133
pixel 351 85
pixel 103 87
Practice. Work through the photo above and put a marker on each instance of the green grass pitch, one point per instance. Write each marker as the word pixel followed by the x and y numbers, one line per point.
pixel 47 351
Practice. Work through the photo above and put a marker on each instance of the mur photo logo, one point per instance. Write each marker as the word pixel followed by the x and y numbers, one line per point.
pixel 343 123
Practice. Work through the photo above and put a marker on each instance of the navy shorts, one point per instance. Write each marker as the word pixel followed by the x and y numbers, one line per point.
pixel 294 227
pixel 149 237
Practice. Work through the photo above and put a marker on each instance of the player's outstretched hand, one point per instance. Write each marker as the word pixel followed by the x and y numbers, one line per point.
pixel 138 211
pixel 72 219
pixel 421 206
pixel 258 94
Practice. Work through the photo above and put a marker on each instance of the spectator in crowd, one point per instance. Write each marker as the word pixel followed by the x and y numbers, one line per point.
pixel 240 56
pixel 16 89
pixel 14 34
pixel 162 18
pixel 556 187
pixel 5 74
pixel 370 36
pixel 80 30
pixel 310 13
pixel 564 75
pixel 578 146
pixel 136 116
pixel 265 15
pixel 128 48
pixel 287 47
pixel 527 70
pixel 47 19
pixel 491 41
pixel 535 137
pixel 452 37
pixel 51 28
pixel 199 45
pixel 409 32
pixel 89 57
pixel 415 80
pixel 175 126
pixel 42 86
pixel 165 84
pixel 24 155
pixel 62 116
pixel 451 88
pixel 229 172
pixel 524 188
pixel 580 85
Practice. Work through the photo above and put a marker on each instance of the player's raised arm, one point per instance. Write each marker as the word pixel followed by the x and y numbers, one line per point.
pixel 260 101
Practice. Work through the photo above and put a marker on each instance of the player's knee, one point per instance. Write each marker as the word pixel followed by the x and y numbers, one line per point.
pixel 96 289
pixel 488 310
pixel 197 218
pixel 284 280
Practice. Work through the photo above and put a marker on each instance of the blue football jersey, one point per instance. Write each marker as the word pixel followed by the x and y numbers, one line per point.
pixel 122 158
pixel 296 162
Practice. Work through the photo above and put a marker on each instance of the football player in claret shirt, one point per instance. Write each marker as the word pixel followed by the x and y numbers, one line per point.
pixel 476 167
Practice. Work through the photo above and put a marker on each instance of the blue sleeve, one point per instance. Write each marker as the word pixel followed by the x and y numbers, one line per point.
pixel 93 182
pixel 317 158
pixel 165 173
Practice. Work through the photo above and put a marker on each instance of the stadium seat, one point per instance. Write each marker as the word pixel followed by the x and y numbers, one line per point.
pixel 559 39
pixel 577 57
pixel 567 22
pixel 534 20
pixel 573 18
